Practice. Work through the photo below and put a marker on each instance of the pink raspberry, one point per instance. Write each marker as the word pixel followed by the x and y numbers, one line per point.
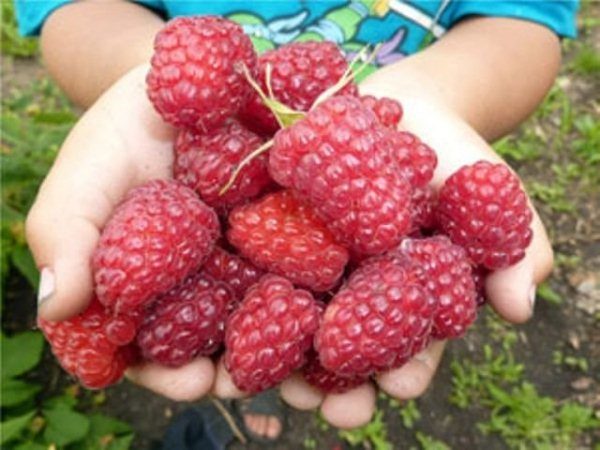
pixel 415 159
pixel 387 110
pixel 196 78
pixel 160 234
pixel 483 208
pixel 316 375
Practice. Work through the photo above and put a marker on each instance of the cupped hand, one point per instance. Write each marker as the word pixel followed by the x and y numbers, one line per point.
pixel 119 143
pixel 510 292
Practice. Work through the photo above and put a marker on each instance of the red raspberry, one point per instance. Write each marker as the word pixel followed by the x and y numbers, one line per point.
pixel 483 208
pixel 337 159
pixel 416 160
pixel 423 204
pixel 300 72
pixel 315 374
pixel 479 275
pixel 377 321
pixel 448 276
pixel 205 162
pixel 268 335
pixel 284 236
pixel 196 78
pixel 236 272
pixel 161 233
pixel 387 110
pixel 83 348
pixel 186 322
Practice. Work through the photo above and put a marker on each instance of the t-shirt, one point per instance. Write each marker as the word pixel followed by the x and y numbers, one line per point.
pixel 401 27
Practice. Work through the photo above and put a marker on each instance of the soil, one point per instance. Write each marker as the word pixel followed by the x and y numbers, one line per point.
pixel 571 326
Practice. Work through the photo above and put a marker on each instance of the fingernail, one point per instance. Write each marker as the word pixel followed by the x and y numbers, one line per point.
pixel 532 292
pixel 47 285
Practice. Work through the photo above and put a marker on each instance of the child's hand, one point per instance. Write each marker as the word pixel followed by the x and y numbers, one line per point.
pixel 510 291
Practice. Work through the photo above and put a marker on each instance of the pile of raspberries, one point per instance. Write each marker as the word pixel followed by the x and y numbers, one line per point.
pixel 330 253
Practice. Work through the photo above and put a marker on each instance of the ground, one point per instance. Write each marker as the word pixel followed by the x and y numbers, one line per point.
pixel 482 395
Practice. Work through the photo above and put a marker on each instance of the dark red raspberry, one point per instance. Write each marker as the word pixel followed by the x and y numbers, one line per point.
pixel 416 160
pixel 483 208
pixel 315 374
pixel 449 278
pixel 479 275
pixel 423 206
pixel 338 159
pixel 186 322
pixel 161 233
pixel 387 110
pixel 284 236
pixel 83 348
pixel 196 78
pixel 377 321
pixel 205 162
pixel 268 335
pixel 300 72
pixel 238 273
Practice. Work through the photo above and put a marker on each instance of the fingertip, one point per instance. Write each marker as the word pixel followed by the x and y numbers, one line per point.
pixel 185 384
pixel 509 292
pixel 351 409
pixel 224 387
pixel 299 394
pixel 413 378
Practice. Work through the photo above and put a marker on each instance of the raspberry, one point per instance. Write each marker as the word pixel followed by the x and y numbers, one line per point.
pixel 479 275
pixel 337 159
pixel 416 160
pixel 156 237
pixel 483 208
pixel 423 203
pixel 268 335
pixel 300 72
pixel 84 350
pixel 205 162
pixel 196 78
pixel 315 374
pixel 377 321
pixel 236 272
pixel 284 236
pixel 387 110
pixel 448 276
pixel 186 322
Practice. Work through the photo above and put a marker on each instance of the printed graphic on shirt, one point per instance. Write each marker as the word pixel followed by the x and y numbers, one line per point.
pixel 398 26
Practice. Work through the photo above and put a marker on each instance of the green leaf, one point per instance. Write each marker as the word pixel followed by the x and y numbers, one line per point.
pixel 12 428
pixel 23 261
pixel 20 353
pixel 15 392
pixel 65 426
pixel 30 446
pixel 101 425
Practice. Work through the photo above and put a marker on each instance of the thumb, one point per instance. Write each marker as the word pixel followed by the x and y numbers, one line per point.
pixel 511 291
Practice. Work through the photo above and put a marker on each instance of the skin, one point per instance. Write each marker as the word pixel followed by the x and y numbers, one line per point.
pixel 477 83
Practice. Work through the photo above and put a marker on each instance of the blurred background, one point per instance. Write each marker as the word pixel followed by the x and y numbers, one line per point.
pixel 535 386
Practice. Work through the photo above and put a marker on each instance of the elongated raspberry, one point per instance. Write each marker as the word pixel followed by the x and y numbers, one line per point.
pixel 186 322
pixel 449 277
pixel 387 110
pixel 196 78
pixel 84 350
pixel 338 159
pixel 156 237
pixel 327 381
pixel 268 335
pixel 483 208
pixel 300 72
pixel 377 321
pixel 238 273
pixel 415 159
pixel 284 236
pixel 205 162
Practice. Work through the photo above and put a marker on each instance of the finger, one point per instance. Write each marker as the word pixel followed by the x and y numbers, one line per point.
pixel 224 387
pixel 511 291
pixel 351 409
pixel 299 394
pixel 116 145
pixel 186 383
pixel 413 378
